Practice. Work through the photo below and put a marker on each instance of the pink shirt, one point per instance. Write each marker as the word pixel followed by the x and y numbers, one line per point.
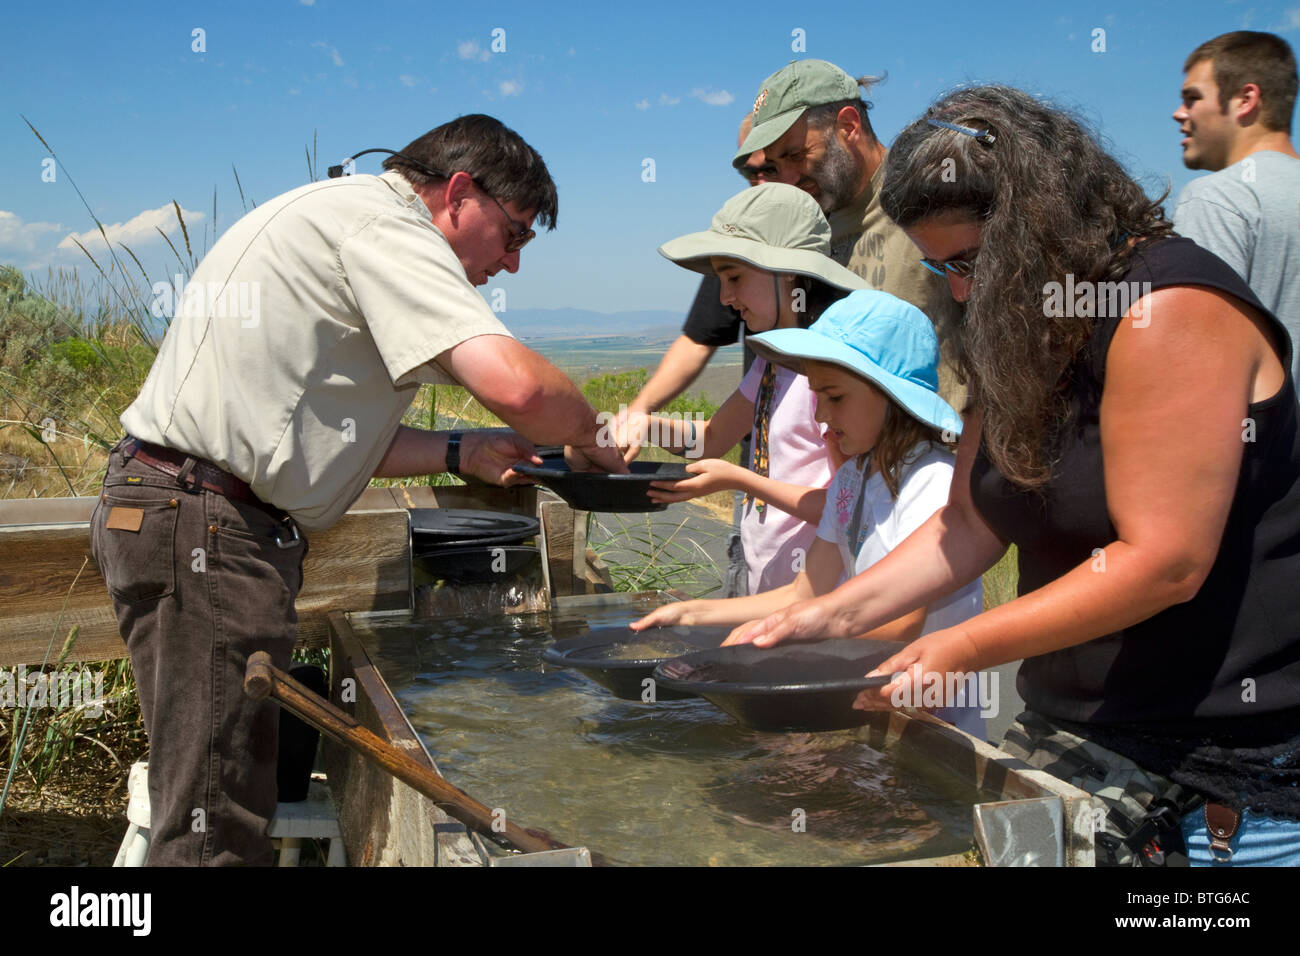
pixel 776 544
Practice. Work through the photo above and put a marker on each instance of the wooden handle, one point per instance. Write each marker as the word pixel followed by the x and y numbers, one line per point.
pixel 263 680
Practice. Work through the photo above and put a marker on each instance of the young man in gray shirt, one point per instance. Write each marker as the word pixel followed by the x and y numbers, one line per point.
pixel 1237 101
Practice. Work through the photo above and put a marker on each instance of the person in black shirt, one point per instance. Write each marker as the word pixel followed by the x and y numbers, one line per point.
pixel 709 326
pixel 1133 431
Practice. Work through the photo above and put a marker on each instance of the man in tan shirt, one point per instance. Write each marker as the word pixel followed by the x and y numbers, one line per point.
pixel 277 394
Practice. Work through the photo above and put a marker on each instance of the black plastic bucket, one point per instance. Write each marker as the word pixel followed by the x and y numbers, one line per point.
pixel 298 741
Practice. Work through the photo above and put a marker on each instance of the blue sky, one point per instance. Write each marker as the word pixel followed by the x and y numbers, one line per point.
pixel 139 119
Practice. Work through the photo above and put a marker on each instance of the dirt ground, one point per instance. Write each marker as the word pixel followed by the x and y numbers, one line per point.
pixel 79 824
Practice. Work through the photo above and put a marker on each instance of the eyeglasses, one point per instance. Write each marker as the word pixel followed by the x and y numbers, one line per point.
pixel 521 235
pixel 961 268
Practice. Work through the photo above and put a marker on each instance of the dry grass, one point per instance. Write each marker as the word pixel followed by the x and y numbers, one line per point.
pixel 1000 580
pixel 70 465
pixel 67 793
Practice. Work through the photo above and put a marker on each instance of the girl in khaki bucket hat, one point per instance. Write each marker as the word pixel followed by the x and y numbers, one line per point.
pixel 770 247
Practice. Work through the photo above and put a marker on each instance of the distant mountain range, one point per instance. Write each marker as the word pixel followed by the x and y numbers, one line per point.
pixel 578 323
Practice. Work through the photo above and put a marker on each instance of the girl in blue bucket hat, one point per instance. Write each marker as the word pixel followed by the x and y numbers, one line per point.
pixel 872 361
pixel 770 248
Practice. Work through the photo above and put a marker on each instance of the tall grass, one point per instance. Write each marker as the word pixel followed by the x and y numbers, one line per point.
pixel 643 556
pixel 74 353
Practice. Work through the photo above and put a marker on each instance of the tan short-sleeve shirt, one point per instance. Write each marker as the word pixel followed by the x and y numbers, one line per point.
pixel 302 337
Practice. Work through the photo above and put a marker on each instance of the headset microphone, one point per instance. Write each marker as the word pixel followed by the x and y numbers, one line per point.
pixel 335 172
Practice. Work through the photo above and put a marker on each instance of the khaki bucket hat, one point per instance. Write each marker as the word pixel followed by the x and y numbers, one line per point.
pixel 774 227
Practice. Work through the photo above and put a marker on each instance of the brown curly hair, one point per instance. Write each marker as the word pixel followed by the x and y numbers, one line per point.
pixel 1051 202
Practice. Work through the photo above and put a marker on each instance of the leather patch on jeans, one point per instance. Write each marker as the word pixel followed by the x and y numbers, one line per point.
pixel 124 519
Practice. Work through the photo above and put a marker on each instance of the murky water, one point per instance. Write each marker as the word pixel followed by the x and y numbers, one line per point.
pixel 668 783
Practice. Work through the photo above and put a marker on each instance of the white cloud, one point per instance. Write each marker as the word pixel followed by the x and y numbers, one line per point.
pixel 407 79
pixel 308 3
pixel 713 97
pixel 510 88
pixel 332 51
pixel 17 236
pixel 140 228
pixel 1290 20
pixel 572 52
pixel 666 100
pixel 643 104
pixel 470 50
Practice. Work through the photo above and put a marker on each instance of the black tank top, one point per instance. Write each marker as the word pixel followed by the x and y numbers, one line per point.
pixel 1229 659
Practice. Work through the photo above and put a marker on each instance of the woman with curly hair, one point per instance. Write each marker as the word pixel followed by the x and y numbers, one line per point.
pixel 1132 429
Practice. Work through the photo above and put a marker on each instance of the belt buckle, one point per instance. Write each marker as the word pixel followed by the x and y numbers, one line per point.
pixel 280 542
pixel 1220 853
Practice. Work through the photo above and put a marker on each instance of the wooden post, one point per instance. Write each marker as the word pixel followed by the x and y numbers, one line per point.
pixel 557 536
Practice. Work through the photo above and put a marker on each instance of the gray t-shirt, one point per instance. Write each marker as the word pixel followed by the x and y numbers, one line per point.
pixel 1248 214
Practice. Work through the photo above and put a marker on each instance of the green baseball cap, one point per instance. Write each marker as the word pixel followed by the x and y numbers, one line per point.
pixel 787 93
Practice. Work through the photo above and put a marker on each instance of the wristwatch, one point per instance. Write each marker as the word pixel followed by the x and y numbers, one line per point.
pixel 453 452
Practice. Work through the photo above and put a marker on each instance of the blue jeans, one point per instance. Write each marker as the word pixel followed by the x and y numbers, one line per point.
pixel 1260 841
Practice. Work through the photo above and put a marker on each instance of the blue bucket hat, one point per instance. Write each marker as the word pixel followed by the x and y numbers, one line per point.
pixel 875 336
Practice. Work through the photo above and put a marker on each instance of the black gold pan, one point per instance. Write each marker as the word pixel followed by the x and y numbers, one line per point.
pixel 792 687
pixel 598 491
pixel 621 659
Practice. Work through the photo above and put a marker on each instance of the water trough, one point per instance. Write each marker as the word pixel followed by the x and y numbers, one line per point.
pixel 565 749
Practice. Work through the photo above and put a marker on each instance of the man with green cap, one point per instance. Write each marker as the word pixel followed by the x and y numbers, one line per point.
pixel 811 123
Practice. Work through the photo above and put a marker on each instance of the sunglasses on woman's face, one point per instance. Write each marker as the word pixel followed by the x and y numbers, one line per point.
pixel 962 268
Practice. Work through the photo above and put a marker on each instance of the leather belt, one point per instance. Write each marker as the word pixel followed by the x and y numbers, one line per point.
pixel 203 474
pixel 1222 822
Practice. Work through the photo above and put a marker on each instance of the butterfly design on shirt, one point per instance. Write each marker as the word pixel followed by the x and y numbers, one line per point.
pixel 844 504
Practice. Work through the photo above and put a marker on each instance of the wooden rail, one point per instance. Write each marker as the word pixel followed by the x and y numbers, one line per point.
pixel 49 583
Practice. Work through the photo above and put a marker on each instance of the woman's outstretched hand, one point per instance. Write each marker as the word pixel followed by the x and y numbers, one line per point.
pixel 812 620
pixel 918 665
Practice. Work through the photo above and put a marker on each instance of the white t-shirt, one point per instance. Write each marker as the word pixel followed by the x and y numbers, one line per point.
pixel 885 522
pixel 302 338
pixel 776 544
